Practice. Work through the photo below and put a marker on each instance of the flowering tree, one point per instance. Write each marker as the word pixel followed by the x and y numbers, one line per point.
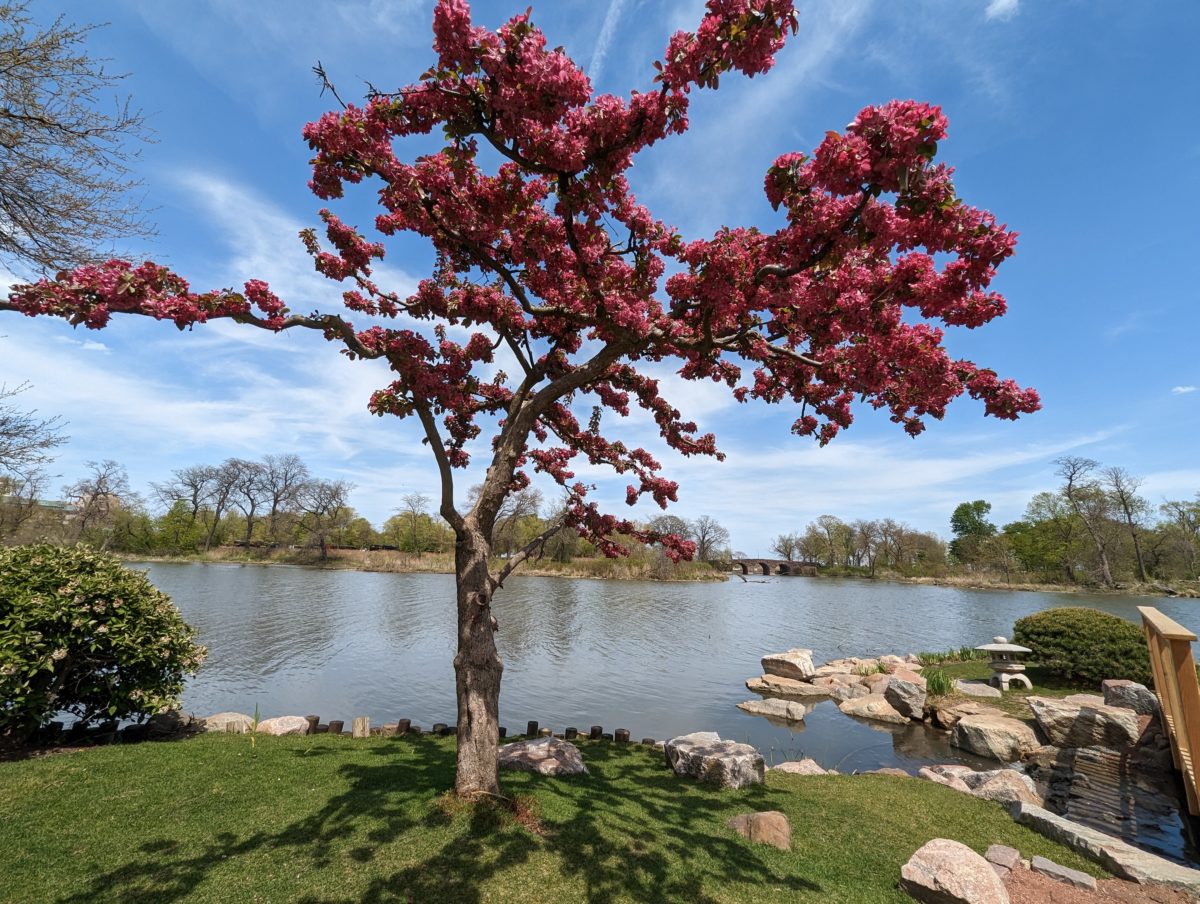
pixel 547 264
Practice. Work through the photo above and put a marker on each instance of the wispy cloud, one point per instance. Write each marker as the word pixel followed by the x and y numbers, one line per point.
pixel 1182 390
pixel 604 42
pixel 1002 9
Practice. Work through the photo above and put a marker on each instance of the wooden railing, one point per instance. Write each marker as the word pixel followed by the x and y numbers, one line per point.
pixel 1178 693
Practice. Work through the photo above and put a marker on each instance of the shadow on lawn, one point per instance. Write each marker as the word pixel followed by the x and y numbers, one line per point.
pixel 637 832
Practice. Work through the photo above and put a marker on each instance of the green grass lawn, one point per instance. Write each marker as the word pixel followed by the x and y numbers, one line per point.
pixel 1013 701
pixel 325 819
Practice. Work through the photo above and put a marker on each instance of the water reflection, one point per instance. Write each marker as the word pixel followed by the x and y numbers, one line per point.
pixel 658 659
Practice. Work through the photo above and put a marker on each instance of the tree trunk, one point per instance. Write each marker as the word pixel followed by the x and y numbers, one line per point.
pixel 477 670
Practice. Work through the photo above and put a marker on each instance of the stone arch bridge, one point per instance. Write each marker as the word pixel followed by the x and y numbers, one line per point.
pixel 774 566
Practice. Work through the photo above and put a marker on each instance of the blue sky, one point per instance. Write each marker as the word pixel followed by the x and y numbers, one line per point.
pixel 1075 122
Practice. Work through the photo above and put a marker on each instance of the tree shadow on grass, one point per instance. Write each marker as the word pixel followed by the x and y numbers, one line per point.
pixel 631 829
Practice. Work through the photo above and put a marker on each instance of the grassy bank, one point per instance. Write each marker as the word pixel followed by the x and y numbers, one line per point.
pixel 443 563
pixel 326 819
pixel 1013 701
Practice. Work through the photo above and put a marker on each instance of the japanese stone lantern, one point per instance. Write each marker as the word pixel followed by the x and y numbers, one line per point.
pixel 1006 663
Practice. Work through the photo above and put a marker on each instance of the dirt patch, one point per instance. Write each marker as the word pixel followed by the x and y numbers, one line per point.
pixel 1026 887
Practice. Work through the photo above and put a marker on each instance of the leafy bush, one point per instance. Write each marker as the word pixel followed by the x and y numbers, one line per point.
pixel 1085 644
pixel 82 634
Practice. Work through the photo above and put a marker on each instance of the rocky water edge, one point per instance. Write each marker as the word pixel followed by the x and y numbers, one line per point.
pixel 1103 759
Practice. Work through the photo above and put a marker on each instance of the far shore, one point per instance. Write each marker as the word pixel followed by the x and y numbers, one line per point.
pixel 631 570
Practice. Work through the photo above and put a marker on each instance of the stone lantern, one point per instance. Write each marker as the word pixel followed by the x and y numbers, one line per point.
pixel 1006 663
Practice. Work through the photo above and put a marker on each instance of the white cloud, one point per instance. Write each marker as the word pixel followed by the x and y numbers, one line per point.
pixel 1182 390
pixel 600 54
pixel 1002 9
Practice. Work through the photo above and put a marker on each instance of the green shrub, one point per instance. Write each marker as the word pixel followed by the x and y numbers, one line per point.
pixel 1085 644
pixel 82 634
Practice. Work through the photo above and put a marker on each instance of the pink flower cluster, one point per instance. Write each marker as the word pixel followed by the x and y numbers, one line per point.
pixel 551 256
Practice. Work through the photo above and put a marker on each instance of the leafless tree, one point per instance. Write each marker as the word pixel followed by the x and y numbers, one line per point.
pixel 26 441
pixel 322 503
pixel 1123 487
pixel 250 491
pixel 1090 504
pixel 712 540
pixel 867 539
pixel 97 497
pixel 64 146
pixel 283 476
pixel 192 486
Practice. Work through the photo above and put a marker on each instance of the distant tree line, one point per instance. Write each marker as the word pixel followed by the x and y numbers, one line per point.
pixel 1095 528
pixel 276 502
pixel 863 546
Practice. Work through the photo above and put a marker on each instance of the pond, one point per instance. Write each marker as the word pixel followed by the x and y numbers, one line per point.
pixel 658 659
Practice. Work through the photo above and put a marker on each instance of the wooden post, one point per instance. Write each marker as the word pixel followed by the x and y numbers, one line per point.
pixel 622 736
pixel 503 732
pixel 362 727
pixel 438 728
pixel 596 733
pixel 313 722
pixel 336 726
pixel 532 729
pixel 403 726
pixel 571 734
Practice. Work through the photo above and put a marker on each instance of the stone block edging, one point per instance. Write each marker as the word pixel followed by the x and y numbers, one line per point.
pixel 1118 857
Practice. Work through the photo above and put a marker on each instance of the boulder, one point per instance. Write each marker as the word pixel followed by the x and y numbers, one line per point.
pixel 872 706
pixel 948 872
pixel 786 687
pixel 240 722
pixel 1130 695
pixel 950 781
pixel 702 755
pixel 996 737
pixel 876 683
pixel 977 689
pixel 792 664
pixel 1074 725
pixel 840 679
pixel 775 708
pixel 768 827
pixel 946 715
pixel 906 697
pixel 805 766
pixel 284 725
pixel 545 756
pixel 1007 786
pixel 842 693
pixel 171 723
pixel 1004 859
pixel 1084 699
pixel 907 674
pixel 1062 873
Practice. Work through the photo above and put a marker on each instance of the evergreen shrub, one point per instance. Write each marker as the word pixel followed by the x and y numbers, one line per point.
pixel 1085 644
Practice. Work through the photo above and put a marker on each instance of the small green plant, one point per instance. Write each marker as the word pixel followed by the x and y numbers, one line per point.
pixel 970 654
pixel 938 683
pixel 928 659
pixel 1085 644
pixel 83 635
pixel 254 729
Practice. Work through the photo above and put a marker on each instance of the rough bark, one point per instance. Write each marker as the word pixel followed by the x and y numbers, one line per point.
pixel 477 669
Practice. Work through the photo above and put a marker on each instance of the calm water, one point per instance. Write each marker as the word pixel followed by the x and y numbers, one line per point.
pixel 658 659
